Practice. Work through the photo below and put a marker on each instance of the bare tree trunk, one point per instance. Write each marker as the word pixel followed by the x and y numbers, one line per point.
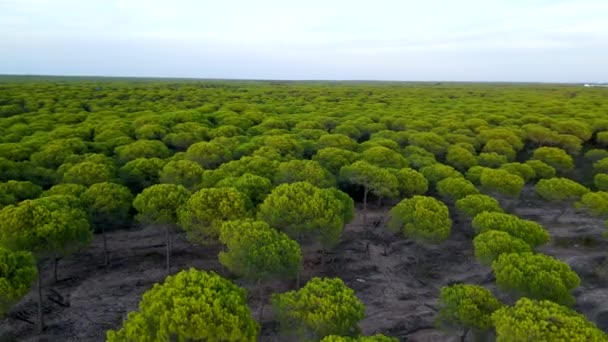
pixel 168 249
pixel 106 254
pixel 40 311
pixel 261 295
pixel 463 337
pixel 365 206
pixel 55 262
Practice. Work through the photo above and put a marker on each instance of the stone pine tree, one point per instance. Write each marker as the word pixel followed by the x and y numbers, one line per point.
pixel 256 251
pixel 190 306
pixel 373 179
pixel 17 274
pixel 48 227
pixel 421 218
pixel 158 205
pixel 560 190
pixel 108 205
pixel 324 306
pixel 466 307
pixel 531 320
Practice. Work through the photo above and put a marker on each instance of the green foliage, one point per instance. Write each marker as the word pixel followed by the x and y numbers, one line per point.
pixel 471 205
pixel 530 320
pixel 17 273
pixel 141 149
pixel 378 181
pixel 560 189
pixel 75 190
pixel 529 231
pixel 421 218
pixel 159 203
pixel 595 203
pixel 256 188
pixel 474 174
pixel 466 306
pixel 141 173
pixel 536 276
pixel 490 244
pixel 257 251
pixel 47 226
pixel 601 181
pixel 411 182
pixel 183 172
pixel 108 205
pixel 384 157
pixel 436 172
pixel 502 182
pixel 525 171
pixel 455 188
pixel 596 154
pixel 208 154
pixel 429 141
pixel 203 214
pixel 12 192
pixel 491 159
pixel 460 158
pixel 304 171
pixel 602 138
pixel 348 205
pixel 89 173
pixel 302 210
pixel 501 147
pixel 555 157
pixel 322 307
pixel 333 159
pixel 190 306
pixel 542 170
pixel 601 166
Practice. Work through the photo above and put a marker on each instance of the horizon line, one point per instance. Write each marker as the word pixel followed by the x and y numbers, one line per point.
pixel 194 78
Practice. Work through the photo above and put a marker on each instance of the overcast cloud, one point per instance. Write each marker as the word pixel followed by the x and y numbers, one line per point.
pixel 467 40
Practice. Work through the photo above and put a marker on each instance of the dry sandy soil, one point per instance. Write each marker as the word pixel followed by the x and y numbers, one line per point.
pixel 398 288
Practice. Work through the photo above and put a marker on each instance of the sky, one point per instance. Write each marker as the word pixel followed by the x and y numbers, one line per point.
pixel 426 40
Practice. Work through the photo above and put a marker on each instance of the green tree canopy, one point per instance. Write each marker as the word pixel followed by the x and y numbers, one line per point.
pixel 601 181
pixel 502 182
pixel 257 251
pixel 536 276
pixel 380 182
pixel 333 158
pixel 560 189
pixel 88 173
pixel 142 149
pixel 555 157
pixel 421 218
pixel 464 306
pixel 530 320
pixel 183 172
pixel 541 169
pixel 304 211
pixel 17 273
pixel 472 205
pixel 13 192
pixel 190 306
pixel 595 202
pixel 203 214
pixel 374 338
pixel 256 188
pixel 411 182
pixel 455 188
pixel 460 158
pixel 384 157
pixel 209 155
pixel 141 173
pixel 75 190
pixel 324 306
pixel 490 244
pixel 529 231
pixel 304 171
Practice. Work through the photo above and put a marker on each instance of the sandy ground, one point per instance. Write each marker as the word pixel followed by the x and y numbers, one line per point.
pixel 399 288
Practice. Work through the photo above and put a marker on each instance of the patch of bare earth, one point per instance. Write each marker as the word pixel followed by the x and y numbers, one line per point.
pixel 397 279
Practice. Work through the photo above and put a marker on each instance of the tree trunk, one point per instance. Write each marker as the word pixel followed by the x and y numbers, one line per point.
pixel 55 262
pixel 106 254
pixel 379 204
pixel 365 205
pixel 463 337
pixel 168 248
pixel 298 280
pixel 261 295
pixel 40 311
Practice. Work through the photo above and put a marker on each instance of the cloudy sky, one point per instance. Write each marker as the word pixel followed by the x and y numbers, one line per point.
pixel 466 40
